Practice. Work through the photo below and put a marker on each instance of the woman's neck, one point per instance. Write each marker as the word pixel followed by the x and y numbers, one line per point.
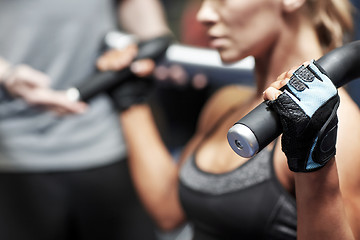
pixel 296 44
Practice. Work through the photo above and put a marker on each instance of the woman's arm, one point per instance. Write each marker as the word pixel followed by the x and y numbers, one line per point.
pixel 347 158
pixel 153 169
pixel 154 172
pixel 335 189
pixel 307 109
pixel 145 19
pixel 320 206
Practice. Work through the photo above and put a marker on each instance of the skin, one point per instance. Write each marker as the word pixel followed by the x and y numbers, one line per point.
pixel 33 87
pixel 278 35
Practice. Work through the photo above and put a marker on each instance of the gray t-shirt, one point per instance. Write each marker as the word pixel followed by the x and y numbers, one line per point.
pixel 60 38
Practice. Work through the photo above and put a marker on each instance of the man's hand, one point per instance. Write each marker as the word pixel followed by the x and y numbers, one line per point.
pixel 33 86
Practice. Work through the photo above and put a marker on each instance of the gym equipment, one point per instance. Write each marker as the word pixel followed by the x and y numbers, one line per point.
pixel 165 52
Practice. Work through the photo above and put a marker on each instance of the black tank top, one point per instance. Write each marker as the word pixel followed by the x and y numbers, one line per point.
pixel 246 203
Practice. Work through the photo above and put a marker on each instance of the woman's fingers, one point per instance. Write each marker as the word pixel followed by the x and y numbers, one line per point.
pixel 273 91
pixel 115 59
pixel 143 67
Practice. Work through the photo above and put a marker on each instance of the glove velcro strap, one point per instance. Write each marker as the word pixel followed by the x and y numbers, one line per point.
pixel 296 140
pixel 324 147
pixel 310 88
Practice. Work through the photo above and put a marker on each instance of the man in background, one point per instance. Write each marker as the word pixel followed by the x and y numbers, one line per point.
pixel 65 177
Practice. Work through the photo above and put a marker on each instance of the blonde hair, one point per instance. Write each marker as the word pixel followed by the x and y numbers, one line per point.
pixel 333 21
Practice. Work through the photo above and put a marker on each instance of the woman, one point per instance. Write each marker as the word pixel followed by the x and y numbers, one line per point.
pixel 229 197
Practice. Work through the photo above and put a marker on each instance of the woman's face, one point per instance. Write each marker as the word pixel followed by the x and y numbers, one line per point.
pixel 240 28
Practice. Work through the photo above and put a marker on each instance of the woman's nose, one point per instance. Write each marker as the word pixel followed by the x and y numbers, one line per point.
pixel 207 13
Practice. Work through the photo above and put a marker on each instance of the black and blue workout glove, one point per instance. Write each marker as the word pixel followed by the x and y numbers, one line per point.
pixel 132 91
pixel 137 90
pixel 307 110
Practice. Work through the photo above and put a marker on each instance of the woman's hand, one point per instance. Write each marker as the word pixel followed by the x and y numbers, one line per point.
pixel 306 101
pixel 116 60
pixel 130 91
pixel 273 91
pixel 32 86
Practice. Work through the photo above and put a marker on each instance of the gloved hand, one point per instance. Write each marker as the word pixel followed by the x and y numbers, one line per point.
pixel 132 91
pixel 307 110
pixel 137 88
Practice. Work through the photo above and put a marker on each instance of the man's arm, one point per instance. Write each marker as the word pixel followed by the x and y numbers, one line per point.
pixel 4 69
pixel 146 19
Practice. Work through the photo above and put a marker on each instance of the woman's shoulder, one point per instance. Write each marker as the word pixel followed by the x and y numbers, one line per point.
pixel 348 142
pixel 349 118
pixel 221 102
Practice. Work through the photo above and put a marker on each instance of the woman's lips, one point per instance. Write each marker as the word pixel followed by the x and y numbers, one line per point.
pixel 217 42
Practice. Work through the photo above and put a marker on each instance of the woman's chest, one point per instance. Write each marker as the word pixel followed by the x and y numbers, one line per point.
pixel 241 202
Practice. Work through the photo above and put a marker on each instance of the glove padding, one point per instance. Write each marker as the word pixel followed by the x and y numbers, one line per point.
pixel 307 110
pixel 132 91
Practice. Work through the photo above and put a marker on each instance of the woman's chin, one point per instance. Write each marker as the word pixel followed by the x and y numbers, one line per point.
pixel 229 58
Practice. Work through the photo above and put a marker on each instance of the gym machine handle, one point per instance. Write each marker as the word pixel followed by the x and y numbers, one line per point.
pixel 104 81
